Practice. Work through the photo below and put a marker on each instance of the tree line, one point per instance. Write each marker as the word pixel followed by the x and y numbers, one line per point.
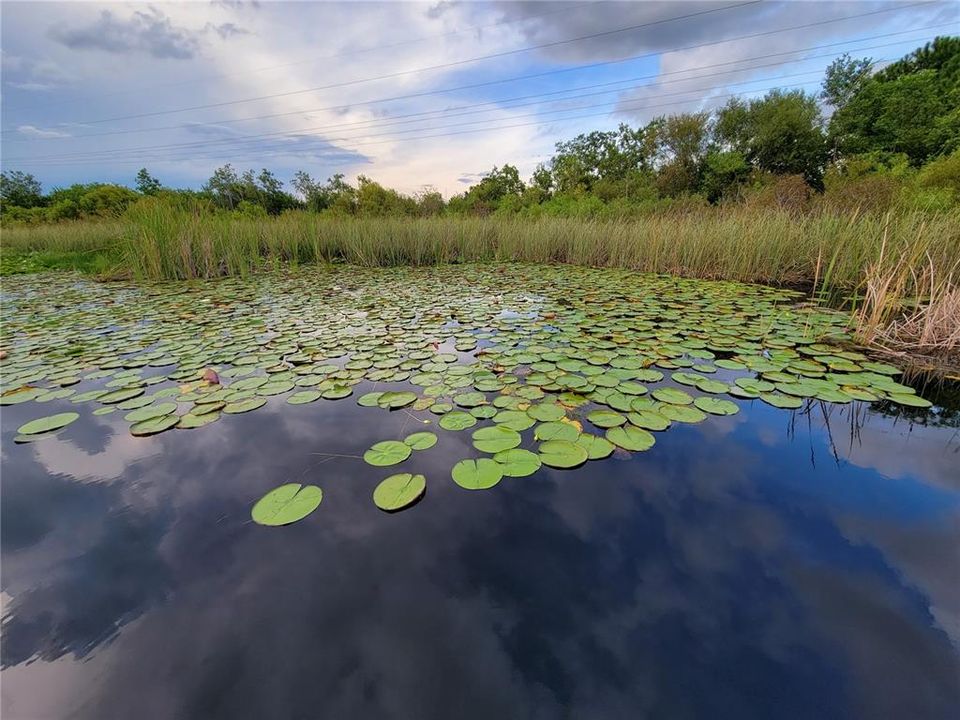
pixel 869 140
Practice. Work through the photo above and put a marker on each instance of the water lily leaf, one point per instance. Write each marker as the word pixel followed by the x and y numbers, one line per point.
pixel 556 431
pixel 387 452
pixel 154 425
pixel 496 438
pixel 191 421
pixel 399 492
pixel 469 400
pixel 286 504
pixel 631 438
pixel 246 405
pixel 562 454
pixel 395 400
pixel 48 424
pixel 606 418
pixel 420 440
pixel 150 411
pixel 902 399
pixel 514 419
pixel 483 412
pixel 781 401
pixel 715 406
pixel 546 412
pixel 597 447
pixel 338 392
pixel 682 413
pixel 649 420
pixel 479 474
pixel 457 420
pixel 517 462
pixel 673 396
pixel 118 396
pixel 303 397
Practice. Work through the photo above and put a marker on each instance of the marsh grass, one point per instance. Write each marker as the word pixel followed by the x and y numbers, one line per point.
pixel 897 273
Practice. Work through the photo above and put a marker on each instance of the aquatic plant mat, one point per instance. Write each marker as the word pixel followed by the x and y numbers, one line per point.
pixel 538 366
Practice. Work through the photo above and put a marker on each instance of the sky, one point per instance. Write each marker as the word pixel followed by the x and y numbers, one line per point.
pixel 414 95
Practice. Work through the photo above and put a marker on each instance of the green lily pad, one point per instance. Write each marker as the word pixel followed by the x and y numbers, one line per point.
pixel 303 397
pixel 556 431
pixel 154 425
pixel 562 454
pixel 420 440
pixel 546 412
pixel 682 413
pixel 597 447
pixel 517 462
pixel 631 438
pixel 242 406
pixel 606 418
pixel 496 438
pixel 387 452
pixel 399 492
pixel 673 396
pixel 395 400
pixel 479 474
pixel 513 419
pixel 48 424
pixel 902 399
pixel 649 420
pixel 286 504
pixel 457 420
pixel 715 406
pixel 149 412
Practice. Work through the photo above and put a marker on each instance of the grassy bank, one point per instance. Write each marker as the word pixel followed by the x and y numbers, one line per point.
pixel 898 273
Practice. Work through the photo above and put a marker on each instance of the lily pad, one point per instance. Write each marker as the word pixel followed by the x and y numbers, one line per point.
pixel 715 406
pixel 496 438
pixel 457 420
pixel 597 447
pixel 399 492
pixel 387 452
pixel 517 462
pixel 420 440
pixel 606 418
pixel 479 474
pixel 562 454
pixel 631 438
pixel 154 425
pixel 556 431
pixel 48 424
pixel 286 504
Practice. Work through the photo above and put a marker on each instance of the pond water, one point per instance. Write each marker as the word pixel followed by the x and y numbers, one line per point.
pixel 767 561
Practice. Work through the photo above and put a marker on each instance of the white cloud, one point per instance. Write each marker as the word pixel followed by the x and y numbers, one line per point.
pixel 40 132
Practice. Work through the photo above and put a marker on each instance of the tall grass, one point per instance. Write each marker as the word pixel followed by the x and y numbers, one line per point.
pixel 883 267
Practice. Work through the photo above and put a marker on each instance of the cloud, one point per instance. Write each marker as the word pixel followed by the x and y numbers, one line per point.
pixel 149 32
pixel 227 30
pixel 40 132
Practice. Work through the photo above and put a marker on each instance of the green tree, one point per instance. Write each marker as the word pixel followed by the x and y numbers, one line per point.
pixel 681 141
pixel 20 189
pixel 147 184
pixel 844 78
pixel 780 133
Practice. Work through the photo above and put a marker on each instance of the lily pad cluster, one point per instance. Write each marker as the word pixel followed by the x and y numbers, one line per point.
pixel 542 365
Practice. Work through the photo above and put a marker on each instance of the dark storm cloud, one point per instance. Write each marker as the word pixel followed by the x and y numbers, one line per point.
pixel 150 32
pixel 662 33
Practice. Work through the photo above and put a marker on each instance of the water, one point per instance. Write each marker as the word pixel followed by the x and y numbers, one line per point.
pixel 772 564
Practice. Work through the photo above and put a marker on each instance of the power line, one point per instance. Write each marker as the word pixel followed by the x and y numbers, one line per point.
pixel 299 151
pixel 440 66
pixel 249 138
pixel 223 121
pixel 470 28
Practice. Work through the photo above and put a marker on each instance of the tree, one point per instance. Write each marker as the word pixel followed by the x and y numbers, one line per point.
pixel 780 133
pixel 844 78
pixel 613 156
pixel 225 187
pixel 147 184
pixel 681 142
pixel 911 106
pixel 20 189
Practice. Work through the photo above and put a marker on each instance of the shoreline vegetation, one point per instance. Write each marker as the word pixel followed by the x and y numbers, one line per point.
pixel 852 194
pixel 898 274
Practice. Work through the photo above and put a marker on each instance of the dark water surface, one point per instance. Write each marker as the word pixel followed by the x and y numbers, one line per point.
pixel 771 564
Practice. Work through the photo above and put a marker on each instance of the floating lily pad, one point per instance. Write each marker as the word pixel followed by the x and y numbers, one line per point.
pixel 514 419
pixel 606 418
pixel 673 396
pixel 48 424
pixel 154 425
pixel 399 492
pixel 597 447
pixel 420 440
pixel 303 397
pixel 479 474
pixel 715 406
pixel 457 420
pixel 562 454
pixel 556 431
pixel 149 412
pixel 242 406
pixel 631 438
pixel 387 452
pixel 286 504
pixel 517 462
pixel 496 438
